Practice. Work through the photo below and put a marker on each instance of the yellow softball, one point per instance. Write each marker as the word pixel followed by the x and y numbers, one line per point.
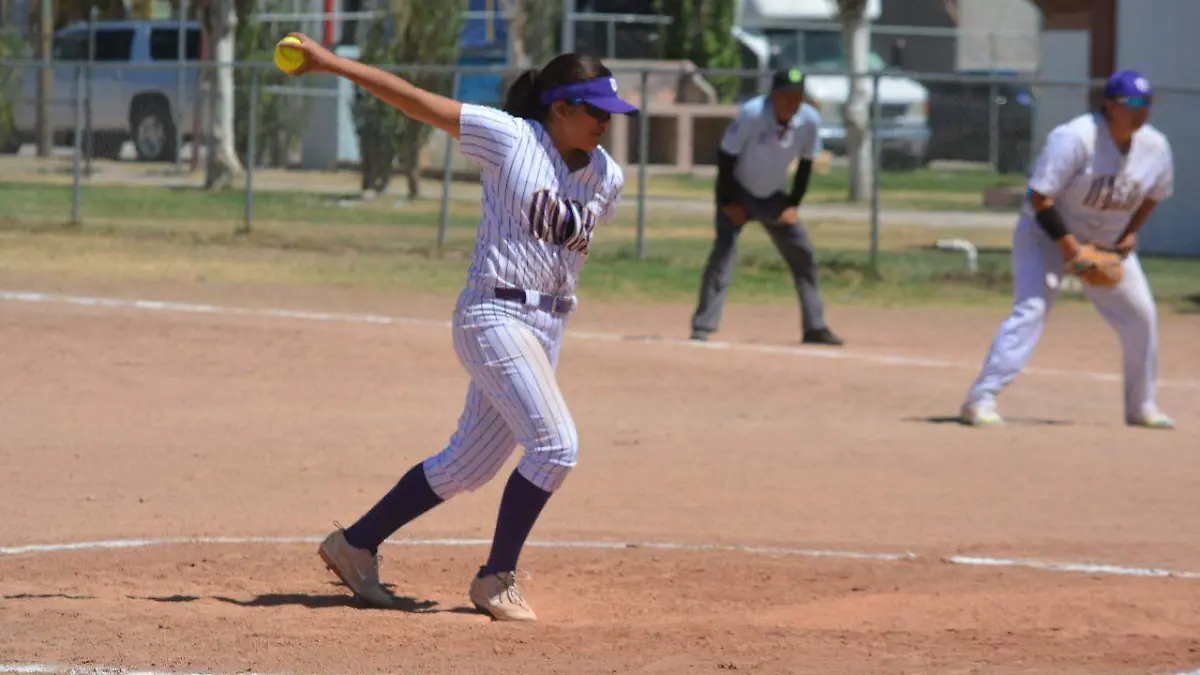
pixel 288 60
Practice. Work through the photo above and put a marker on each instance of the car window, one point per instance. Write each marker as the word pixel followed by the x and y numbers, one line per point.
pixel 815 49
pixel 164 44
pixel 114 44
pixel 70 48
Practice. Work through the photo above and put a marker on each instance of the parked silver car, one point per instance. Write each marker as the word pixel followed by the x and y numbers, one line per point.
pixel 129 99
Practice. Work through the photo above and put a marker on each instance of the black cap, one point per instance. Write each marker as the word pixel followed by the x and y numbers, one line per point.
pixel 791 79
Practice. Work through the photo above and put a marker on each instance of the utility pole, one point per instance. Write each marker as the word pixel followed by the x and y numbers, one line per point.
pixel 45 130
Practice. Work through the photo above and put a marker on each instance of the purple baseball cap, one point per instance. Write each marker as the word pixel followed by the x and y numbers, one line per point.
pixel 600 92
pixel 1131 87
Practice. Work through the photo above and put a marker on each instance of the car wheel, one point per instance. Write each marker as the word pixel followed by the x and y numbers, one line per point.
pixel 105 145
pixel 153 132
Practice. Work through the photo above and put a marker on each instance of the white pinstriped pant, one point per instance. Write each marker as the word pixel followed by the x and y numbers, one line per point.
pixel 1128 308
pixel 510 351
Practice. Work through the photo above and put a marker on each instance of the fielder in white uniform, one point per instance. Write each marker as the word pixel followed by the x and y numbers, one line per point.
pixel 547 183
pixel 1096 181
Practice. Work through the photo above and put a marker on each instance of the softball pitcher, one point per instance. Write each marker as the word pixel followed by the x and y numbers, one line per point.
pixel 547 183
pixel 1094 185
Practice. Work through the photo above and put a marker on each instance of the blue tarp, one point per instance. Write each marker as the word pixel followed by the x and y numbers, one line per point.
pixel 484 42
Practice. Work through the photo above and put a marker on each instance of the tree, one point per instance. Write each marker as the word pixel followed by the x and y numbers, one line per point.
pixel 702 32
pixel 532 30
pixel 11 47
pixel 418 33
pixel 280 118
pixel 856 34
pixel 220 24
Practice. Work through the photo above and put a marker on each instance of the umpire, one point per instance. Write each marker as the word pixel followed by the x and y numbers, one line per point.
pixel 769 133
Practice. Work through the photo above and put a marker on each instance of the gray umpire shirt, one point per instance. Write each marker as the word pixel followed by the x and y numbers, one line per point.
pixel 764 153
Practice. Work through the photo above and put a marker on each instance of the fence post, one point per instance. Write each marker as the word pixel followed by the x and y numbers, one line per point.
pixel 643 160
pixel 93 16
pixel 180 86
pixel 447 174
pixel 876 170
pixel 79 77
pixel 993 127
pixel 251 150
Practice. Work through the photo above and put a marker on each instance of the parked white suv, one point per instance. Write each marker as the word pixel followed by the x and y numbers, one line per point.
pixel 128 103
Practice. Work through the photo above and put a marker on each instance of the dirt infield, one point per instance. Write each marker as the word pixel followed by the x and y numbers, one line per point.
pixel 122 423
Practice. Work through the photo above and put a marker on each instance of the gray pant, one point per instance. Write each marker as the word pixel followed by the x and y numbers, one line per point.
pixel 793 244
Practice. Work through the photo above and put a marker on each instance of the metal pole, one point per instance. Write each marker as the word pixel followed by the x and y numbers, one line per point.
pixel 876 170
pixel 993 127
pixel 45 88
pixel 251 149
pixel 643 160
pixel 568 26
pixel 79 74
pixel 447 173
pixel 612 39
pixel 179 87
pixel 93 15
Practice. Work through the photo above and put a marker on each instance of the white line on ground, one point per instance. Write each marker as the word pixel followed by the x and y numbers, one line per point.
pixel 87 670
pixel 1047 566
pixel 55 669
pixel 334 317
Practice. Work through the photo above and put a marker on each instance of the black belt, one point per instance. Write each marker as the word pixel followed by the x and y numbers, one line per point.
pixel 555 304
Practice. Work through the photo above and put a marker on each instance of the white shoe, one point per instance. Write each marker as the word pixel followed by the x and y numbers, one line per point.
pixel 1151 418
pixel 498 595
pixel 981 414
pixel 356 567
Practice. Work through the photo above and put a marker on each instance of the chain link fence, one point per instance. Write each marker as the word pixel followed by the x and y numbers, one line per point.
pixel 322 165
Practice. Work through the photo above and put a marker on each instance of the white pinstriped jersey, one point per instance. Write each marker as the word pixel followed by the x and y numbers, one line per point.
pixel 538 217
pixel 1096 188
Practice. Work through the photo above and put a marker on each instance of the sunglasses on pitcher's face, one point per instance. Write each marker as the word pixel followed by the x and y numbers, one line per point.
pixel 592 111
pixel 1135 102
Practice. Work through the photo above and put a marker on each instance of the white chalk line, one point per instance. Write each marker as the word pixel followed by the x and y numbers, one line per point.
pixel 971 561
pixel 384 320
pixel 91 670
pixel 54 669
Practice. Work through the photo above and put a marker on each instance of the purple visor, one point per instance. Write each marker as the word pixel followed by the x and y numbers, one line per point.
pixel 600 92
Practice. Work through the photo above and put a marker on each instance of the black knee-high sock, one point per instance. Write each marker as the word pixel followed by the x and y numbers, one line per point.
pixel 410 498
pixel 520 507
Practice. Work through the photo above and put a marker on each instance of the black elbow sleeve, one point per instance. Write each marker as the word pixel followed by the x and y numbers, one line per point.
pixel 1051 221
pixel 800 182
pixel 726 183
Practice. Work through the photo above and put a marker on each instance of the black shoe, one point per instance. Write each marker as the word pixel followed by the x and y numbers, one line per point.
pixel 823 336
pixel 699 336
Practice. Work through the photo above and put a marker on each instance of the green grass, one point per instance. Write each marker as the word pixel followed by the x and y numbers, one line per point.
pixel 165 234
pixel 926 189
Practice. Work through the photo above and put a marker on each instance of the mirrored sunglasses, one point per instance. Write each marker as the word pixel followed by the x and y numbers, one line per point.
pixel 1135 102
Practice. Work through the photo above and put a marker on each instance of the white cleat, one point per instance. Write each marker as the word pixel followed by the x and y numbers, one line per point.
pixel 498 596
pixel 1152 419
pixel 357 568
pixel 981 414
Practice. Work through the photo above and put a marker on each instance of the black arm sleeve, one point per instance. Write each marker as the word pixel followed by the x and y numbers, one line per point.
pixel 800 182
pixel 1051 221
pixel 726 183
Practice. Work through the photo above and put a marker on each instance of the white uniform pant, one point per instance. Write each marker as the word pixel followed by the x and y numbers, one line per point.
pixel 1037 272
pixel 510 352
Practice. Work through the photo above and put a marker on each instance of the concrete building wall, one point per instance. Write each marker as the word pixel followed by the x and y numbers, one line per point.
pixel 1064 57
pixel 1161 44
pixel 999 34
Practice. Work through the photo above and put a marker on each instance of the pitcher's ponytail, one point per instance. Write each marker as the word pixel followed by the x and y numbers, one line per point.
pixel 524 97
